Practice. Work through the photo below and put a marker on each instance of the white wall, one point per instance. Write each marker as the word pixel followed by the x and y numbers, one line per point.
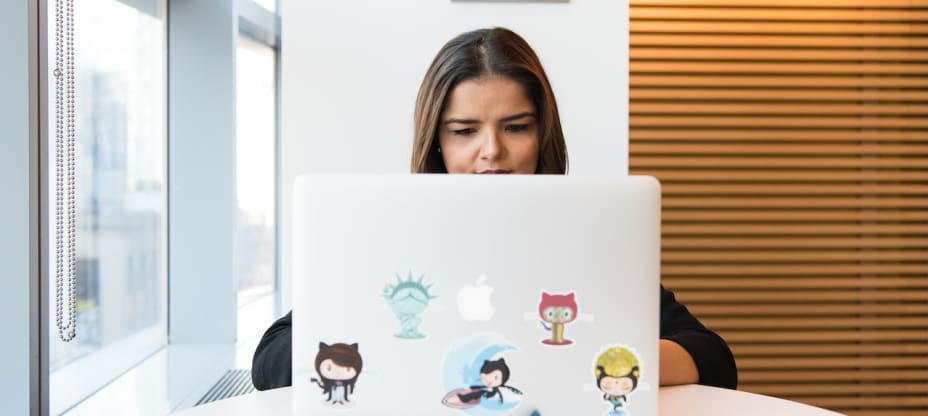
pixel 351 70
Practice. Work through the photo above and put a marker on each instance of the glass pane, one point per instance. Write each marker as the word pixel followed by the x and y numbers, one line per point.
pixel 120 198
pixel 256 144
pixel 270 5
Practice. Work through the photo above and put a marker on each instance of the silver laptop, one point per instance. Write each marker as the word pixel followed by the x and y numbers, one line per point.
pixel 475 295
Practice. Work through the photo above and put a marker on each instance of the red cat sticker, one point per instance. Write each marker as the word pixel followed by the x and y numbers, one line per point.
pixel 556 312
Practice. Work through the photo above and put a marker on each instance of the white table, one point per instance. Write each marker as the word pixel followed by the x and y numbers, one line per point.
pixel 690 400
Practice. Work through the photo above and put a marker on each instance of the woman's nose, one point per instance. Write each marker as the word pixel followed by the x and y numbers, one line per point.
pixel 492 148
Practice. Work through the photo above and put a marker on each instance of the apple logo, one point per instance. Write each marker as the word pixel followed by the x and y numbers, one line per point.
pixel 474 301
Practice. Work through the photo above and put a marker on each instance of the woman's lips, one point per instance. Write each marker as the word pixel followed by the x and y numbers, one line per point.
pixel 495 171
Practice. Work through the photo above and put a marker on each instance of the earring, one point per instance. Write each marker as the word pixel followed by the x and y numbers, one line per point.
pixel 439 150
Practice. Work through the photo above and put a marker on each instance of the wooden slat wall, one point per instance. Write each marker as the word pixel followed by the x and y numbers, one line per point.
pixel 791 137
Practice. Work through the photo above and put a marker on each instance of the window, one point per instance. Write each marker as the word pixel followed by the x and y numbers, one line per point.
pixel 270 5
pixel 256 144
pixel 120 218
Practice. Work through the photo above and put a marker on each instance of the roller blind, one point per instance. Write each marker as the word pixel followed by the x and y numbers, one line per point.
pixel 791 138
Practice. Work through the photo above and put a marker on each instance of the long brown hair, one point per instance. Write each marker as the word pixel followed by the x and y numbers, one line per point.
pixel 476 54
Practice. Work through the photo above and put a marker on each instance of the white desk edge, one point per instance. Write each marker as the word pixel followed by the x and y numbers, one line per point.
pixel 691 400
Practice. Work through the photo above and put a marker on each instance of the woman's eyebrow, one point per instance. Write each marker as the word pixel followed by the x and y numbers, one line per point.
pixel 517 116
pixel 461 121
pixel 503 120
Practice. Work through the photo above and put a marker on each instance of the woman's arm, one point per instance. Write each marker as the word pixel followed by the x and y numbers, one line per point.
pixel 677 367
pixel 687 346
pixel 270 367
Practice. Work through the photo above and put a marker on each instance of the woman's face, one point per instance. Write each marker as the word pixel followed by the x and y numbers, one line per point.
pixel 489 126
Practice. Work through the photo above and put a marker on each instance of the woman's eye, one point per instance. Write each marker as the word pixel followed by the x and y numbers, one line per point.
pixel 464 132
pixel 515 128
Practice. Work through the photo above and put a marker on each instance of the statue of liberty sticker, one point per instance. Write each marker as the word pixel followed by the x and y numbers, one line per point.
pixel 408 299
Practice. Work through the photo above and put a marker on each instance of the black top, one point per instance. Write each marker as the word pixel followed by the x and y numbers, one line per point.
pixel 270 367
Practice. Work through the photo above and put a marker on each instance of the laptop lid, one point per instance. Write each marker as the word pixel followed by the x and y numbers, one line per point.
pixel 475 294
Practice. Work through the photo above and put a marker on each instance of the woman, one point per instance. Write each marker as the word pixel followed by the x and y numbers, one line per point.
pixel 485 106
